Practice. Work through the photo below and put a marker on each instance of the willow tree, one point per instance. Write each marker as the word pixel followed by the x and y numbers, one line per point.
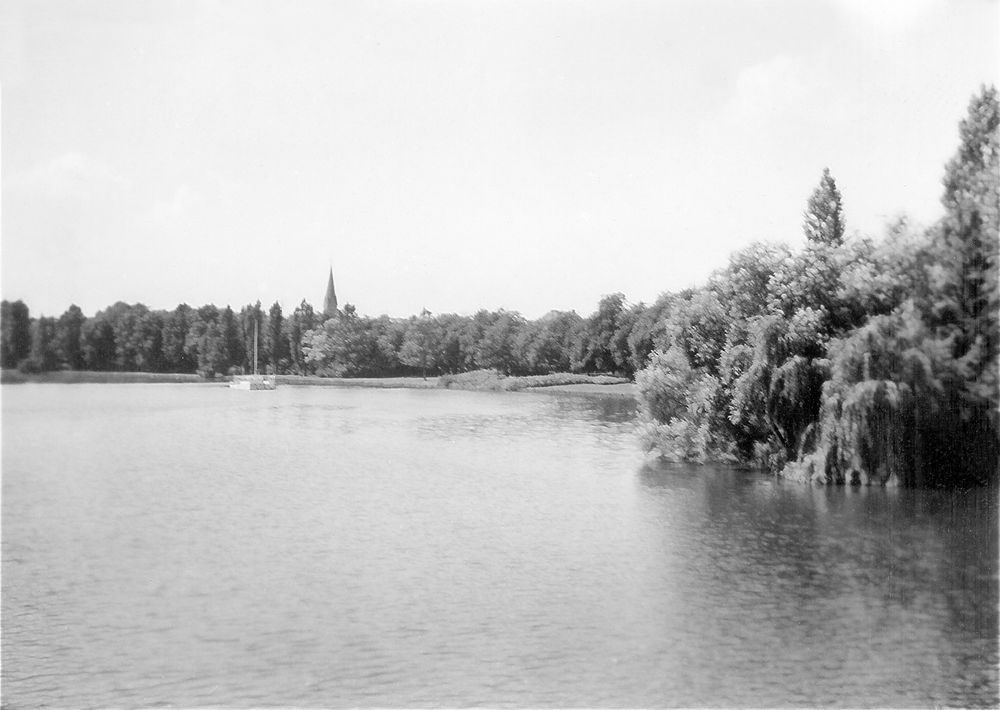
pixel 913 394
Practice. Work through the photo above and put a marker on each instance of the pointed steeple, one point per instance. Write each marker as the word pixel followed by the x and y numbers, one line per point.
pixel 330 302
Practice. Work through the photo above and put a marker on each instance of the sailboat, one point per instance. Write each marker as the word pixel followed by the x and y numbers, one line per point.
pixel 254 381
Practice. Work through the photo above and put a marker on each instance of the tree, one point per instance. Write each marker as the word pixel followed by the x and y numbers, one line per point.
pixel 229 336
pixel 99 343
pixel 498 347
pixel 6 357
pixel 824 219
pixel 650 332
pixel 391 334
pixel 43 356
pixel 250 315
pixel 203 343
pixel 274 342
pixel 137 337
pixel 849 361
pixel 150 332
pixel 302 320
pixel 15 326
pixel 744 287
pixel 346 346
pixel 549 343
pixel 69 337
pixel 698 325
pixel 175 331
pixel 971 249
pixel 453 356
pixel 211 349
pixel 602 338
pixel 421 343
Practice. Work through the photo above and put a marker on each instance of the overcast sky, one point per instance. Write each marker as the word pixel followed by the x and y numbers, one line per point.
pixel 457 155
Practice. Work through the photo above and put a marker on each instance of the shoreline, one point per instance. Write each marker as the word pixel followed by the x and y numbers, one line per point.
pixel 595 384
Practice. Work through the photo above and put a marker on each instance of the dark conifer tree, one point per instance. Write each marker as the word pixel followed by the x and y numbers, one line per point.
pixel 275 343
pixel 824 218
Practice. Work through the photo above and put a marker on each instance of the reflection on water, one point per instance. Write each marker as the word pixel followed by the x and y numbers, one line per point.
pixel 837 595
pixel 194 546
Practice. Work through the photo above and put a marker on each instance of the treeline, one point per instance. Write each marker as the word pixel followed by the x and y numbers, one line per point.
pixel 211 340
pixel 849 360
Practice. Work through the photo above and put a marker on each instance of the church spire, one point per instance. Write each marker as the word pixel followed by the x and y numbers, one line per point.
pixel 330 302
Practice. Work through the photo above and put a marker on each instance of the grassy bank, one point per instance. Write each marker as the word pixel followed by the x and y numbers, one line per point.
pixel 376 382
pixel 493 381
pixel 479 380
pixel 69 377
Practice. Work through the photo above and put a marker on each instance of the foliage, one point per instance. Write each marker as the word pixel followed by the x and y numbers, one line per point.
pixel 176 325
pixel 421 343
pixel 683 406
pixel 69 337
pixel 302 320
pixel 99 344
pixel 493 381
pixel 274 343
pixel 345 346
pixel 649 332
pixel 551 343
pixel 605 347
pixel 251 321
pixel 824 217
pixel 970 250
pixel 665 385
pixel 15 333
pixel 849 360
pixel 480 380
pixel 44 355
pixel 500 345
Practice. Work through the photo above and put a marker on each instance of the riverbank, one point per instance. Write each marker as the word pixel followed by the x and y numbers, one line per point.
pixel 72 377
pixel 481 380
pixel 493 381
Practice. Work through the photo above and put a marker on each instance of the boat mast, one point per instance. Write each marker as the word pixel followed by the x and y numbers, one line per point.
pixel 255 347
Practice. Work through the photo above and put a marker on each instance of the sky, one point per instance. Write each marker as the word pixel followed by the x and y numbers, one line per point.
pixel 457 155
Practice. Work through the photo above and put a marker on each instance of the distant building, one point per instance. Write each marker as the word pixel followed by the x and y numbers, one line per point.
pixel 330 302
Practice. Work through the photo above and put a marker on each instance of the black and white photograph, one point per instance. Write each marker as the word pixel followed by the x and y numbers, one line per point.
pixel 499 354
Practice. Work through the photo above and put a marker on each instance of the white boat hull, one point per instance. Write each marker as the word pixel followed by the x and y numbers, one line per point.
pixel 253 382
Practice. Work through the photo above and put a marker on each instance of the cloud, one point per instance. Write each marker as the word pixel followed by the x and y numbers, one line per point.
pixel 888 16
pixel 764 89
pixel 76 175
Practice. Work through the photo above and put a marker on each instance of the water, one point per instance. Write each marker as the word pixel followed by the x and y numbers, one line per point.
pixel 188 545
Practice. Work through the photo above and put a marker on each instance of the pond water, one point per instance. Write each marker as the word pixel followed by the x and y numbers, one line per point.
pixel 188 546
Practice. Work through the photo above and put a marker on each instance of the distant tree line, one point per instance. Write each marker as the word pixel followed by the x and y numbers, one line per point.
pixel 211 340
